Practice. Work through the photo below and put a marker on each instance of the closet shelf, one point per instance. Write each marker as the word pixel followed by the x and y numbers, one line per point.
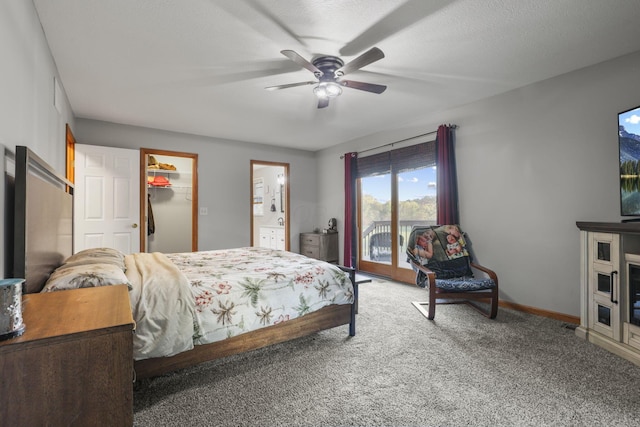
pixel 169 186
pixel 154 171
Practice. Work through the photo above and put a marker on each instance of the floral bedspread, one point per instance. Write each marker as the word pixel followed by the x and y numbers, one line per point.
pixel 243 289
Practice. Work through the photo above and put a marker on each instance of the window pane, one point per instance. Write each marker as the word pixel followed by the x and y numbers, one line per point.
pixel 416 205
pixel 376 218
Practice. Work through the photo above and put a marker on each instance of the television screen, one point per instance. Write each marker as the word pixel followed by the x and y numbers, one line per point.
pixel 629 144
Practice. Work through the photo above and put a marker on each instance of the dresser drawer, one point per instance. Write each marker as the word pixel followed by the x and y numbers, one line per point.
pixel 310 240
pixel 323 246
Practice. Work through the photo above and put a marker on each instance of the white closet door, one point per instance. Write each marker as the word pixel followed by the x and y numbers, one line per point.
pixel 107 198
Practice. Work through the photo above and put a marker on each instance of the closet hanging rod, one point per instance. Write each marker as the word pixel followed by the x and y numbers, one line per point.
pixel 402 140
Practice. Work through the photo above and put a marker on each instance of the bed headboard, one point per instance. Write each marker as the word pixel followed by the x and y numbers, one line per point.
pixel 42 217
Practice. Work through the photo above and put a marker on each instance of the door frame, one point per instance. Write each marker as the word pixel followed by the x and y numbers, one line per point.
pixel 287 220
pixel 144 153
pixel 70 152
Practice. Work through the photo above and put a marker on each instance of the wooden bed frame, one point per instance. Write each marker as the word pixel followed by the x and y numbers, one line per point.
pixel 34 258
pixel 42 220
pixel 325 318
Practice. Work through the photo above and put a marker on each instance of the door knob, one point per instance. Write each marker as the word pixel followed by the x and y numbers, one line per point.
pixel 134 225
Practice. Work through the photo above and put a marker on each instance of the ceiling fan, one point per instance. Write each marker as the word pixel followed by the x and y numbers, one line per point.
pixel 329 70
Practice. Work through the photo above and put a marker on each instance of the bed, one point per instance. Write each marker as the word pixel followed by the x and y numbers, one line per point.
pixel 229 301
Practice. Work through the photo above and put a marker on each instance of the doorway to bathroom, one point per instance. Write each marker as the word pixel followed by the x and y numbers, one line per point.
pixel 269 208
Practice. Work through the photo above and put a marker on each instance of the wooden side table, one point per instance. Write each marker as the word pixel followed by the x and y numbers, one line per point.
pixel 74 363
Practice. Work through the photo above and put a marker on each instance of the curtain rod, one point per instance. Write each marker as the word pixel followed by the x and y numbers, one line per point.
pixel 402 140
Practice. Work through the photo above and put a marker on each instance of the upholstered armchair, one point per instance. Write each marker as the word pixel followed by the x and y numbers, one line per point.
pixel 444 266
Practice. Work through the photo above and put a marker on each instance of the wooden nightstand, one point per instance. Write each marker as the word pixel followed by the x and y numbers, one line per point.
pixel 74 363
pixel 322 246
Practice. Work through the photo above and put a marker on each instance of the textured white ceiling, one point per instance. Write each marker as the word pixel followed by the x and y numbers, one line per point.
pixel 201 66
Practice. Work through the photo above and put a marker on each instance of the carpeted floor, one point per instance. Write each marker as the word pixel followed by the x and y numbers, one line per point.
pixel 404 370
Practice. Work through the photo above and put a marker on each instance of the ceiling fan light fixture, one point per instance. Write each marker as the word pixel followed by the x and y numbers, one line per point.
pixel 329 69
pixel 327 90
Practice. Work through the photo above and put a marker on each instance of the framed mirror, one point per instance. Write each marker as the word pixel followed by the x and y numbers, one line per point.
pixel 258 197
pixel 269 207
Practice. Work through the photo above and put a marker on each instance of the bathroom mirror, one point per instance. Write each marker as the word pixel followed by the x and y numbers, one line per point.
pixel 269 204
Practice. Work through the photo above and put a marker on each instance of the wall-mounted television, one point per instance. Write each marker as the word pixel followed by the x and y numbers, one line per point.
pixel 629 147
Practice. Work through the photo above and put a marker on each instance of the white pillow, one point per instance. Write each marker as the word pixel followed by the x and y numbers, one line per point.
pixel 85 276
pixel 97 256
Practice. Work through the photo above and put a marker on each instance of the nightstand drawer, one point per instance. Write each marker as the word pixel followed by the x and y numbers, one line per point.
pixel 311 251
pixel 310 240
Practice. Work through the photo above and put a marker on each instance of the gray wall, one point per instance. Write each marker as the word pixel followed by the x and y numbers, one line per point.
pixel 223 178
pixel 531 162
pixel 27 112
pixel 28 115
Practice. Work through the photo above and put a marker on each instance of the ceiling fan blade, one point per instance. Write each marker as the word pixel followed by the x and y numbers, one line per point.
pixel 404 16
pixel 368 87
pixel 372 55
pixel 323 102
pixel 289 85
pixel 265 22
pixel 302 62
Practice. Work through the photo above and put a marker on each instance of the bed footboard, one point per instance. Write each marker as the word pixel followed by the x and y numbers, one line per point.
pixel 325 318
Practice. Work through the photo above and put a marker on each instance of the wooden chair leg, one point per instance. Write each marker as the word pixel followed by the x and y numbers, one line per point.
pixel 492 300
pixel 428 310
pixel 432 300
pixel 494 304
pixel 486 312
pixel 421 308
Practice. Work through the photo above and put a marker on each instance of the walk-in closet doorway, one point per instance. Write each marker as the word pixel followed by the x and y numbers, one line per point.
pixel 169 201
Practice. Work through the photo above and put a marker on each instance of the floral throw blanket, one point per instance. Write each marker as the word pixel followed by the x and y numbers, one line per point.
pixel 240 290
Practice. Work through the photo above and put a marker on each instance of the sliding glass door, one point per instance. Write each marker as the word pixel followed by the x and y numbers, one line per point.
pixel 389 205
pixel 375 212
